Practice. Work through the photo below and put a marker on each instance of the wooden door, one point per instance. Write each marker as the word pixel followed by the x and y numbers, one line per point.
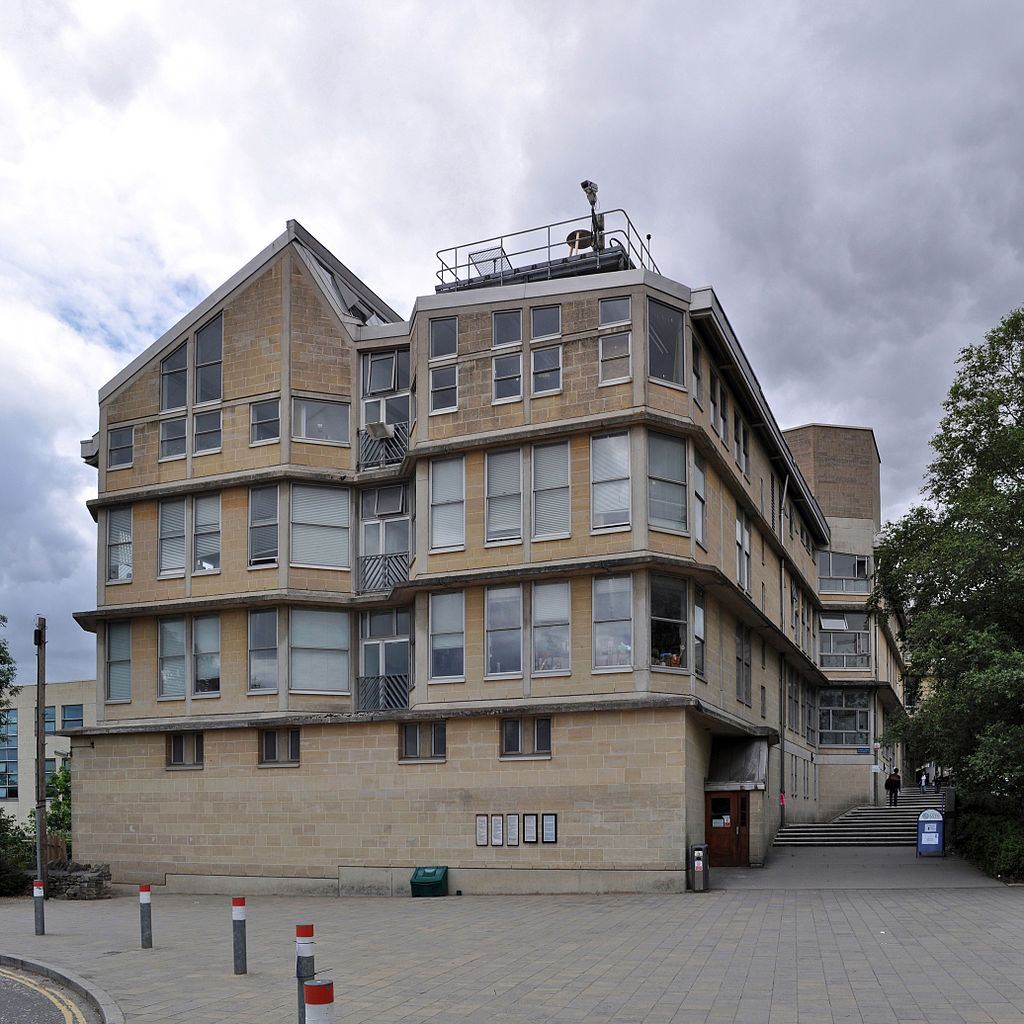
pixel 727 829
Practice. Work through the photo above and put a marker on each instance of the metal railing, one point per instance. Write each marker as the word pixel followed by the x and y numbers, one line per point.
pixel 382 693
pixel 382 572
pixel 388 450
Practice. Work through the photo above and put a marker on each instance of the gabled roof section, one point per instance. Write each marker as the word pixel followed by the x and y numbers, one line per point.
pixel 351 299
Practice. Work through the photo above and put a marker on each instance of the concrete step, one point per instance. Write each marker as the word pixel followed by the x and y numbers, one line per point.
pixel 863 826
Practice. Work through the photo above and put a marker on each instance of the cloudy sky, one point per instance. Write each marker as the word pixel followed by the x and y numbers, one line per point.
pixel 846 175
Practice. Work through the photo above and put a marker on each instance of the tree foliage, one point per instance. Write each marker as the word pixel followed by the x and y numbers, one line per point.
pixel 954 569
pixel 8 670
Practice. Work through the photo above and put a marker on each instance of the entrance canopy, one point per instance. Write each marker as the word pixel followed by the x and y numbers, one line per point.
pixel 737 763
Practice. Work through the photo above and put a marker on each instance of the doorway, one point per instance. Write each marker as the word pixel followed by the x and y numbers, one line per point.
pixel 727 830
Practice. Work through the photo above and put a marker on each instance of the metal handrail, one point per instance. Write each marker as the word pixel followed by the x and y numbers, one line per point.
pixel 382 572
pixel 380 693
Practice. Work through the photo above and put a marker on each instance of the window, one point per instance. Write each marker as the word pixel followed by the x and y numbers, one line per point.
pixel 314 419
pixel 613 356
pixel 613 311
pixel 206 533
pixel 844 640
pixel 666 481
pixel 843 718
pixel 173 379
pixel 119 544
pixel 444 337
pixel 172 438
pixel 385 388
pixel 699 631
pixel 545 322
pixel 206 431
pixel 206 655
pixel 714 403
pixel 745 460
pixel 743 672
pixel 526 737
pixel 503 501
pixel 444 388
pixel 609 471
pixel 700 500
pixel 665 360
pixel 171 653
pixel 423 741
pixel 385 646
pixel 737 438
pixel 552 637
pixel 263 650
pixel 613 622
pixel 264 421
pixel 71 716
pixel 119 447
pixel 723 421
pixel 185 750
pixel 743 550
pixel 507 327
pixel 547 370
pixel 209 340
pixel 447 636
pixel 764 702
pixel 49 719
pixel 263 525
pixel 172 537
pixel 551 490
pixel 319 650
pixel 447 504
pixel 698 373
pixel 503 628
pixel 841 573
pixel 668 622
pixel 320 526
pixel 507 376
pixel 9 754
pixel 279 746
pixel 119 661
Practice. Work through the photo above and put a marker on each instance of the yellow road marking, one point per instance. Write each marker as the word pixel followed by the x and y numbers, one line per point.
pixel 71 1013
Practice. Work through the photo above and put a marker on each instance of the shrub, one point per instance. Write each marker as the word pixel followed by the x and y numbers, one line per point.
pixel 17 856
pixel 990 833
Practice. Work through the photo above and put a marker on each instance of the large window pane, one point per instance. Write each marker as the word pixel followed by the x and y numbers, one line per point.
pixel 613 622
pixel 504 500
pixel 319 650
pixel 172 657
pixel 610 500
pixel 206 654
pixel 447 519
pixel 665 342
pixel 263 649
pixel 320 526
pixel 666 460
pixel 447 635
pixel 504 621
pixel 319 420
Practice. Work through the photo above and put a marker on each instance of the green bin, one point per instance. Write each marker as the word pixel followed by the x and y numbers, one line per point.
pixel 431 881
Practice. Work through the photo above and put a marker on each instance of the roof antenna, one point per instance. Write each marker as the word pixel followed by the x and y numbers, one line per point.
pixel 596 219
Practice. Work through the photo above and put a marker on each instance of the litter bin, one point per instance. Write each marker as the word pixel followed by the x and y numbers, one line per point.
pixel 430 881
pixel 699 870
pixel 931 832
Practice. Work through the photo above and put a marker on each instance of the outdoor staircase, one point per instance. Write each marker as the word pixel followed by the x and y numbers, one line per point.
pixel 865 826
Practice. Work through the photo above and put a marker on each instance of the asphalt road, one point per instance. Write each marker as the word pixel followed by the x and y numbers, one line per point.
pixel 32 999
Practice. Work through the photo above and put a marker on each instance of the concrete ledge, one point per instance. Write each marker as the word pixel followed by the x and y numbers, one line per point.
pixel 240 885
pixel 104 1005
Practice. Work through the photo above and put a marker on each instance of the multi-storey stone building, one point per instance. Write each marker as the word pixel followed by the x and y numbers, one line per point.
pixel 525 584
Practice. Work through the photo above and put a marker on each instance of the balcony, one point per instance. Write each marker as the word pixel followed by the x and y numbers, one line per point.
pixel 383 444
pixel 382 693
pixel 382 572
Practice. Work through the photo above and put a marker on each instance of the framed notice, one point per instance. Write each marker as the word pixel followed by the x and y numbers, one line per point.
pixel 549 828
pixel 529 828
pixel 497 830
pixel 511 829
pixel 481 830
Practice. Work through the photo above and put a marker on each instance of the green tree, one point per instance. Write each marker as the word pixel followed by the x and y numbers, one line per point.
pixel 954 568
pixel 8 670
pixel 58 814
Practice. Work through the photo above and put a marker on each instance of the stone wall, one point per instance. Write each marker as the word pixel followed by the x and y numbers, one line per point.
pixel 72 881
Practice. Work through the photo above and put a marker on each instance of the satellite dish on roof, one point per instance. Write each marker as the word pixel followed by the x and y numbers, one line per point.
pixel 579 240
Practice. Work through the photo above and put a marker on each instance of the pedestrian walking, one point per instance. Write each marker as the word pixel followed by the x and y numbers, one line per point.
pixel 892 787
pixel 924 783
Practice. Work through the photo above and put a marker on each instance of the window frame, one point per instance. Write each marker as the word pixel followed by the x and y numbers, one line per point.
pixel 516 377
pixel 699 632
pixel 606 302
pixel 202 443
pixel 434 332
pixel 109 662
pixel 491 630
pixel 680 625
pixel 202 528
pixel 178 655
pixel 433 633
pixel 538 392
pixel 301 414
pixel 435 748
pixel 167 534
pixel 534 310
pixel 603 359
pixel 546 491
pixel 605 666
pixel 292 746
pixel 678 381
pixel 564 643
pixel 341 650
pixel 165 441
pixel 435 389
pixel 621 525
pixel 192 755
pixel 204 684
pixel 536 729
pixel 700 500
pixel 129 447
pixel 256 421
pixel 455 545
pixel 174 376
pixel 265 561
pixel 339 533
pixel 664 525
pixel 256 650
pixel 203 364
pixel 124 546
pixel 493 499
pixel 508 314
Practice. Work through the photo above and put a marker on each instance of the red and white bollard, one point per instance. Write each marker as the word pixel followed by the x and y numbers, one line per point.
pixel 37 898
pixel 304 968
pixel 319 1002
pixel 238 932
pixel 146 916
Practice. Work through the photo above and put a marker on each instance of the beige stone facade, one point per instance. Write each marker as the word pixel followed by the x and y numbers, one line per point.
pixel 525 585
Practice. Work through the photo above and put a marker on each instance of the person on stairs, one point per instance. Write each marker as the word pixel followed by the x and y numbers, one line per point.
pixel 893 785
pixel 924 783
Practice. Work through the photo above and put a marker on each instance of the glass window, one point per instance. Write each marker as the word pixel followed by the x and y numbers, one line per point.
pixel 171 640
pixel 507 374
pixel 9 754
pixel 843 573
pixel 444 337
pixel 119 661
pixel 668 622
pixel 422 740
pixel 319 650
pixel 551 627
pixel 547 370
pixel 447 636
pixel 613 311
pixel 263 650
pixel 71 716
pixel 613 622
pixel 843 718
pixel 206 654
pixel 666 481
pixel 504 500
pixel 551 489
pixel 173 379
pixel 206 533
pixel 508 327
pixel 447 503
pixel 315 419
pixel 698 373
pixel 444 388
pixel 743 549
pixel 185 749
pixel 545 321
pixel 743 668
pixel 206 431
pixel 172 438
pixel 320 526
pixel 503 629
pixel 119 544
pixel 119 447
pixel 264 421
pixel 699 631
pixel 609 469
pixel 209 339
pixel 614 358
pixel 280 746
pixel 385 646
pixel 263 525
pixel 665 343
pixel 844 641
pixel 700 503
pixel 525 737
pixel 49 719
pixel 172 537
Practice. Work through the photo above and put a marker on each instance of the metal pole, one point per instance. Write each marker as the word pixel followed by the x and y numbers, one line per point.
pixel 238 932
pixel 39 638
pixel 146 916
pixel 37 893
pixel 304 969
pixel 319 1002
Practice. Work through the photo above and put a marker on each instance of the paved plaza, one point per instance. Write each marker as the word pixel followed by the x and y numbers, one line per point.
pixel 861 935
